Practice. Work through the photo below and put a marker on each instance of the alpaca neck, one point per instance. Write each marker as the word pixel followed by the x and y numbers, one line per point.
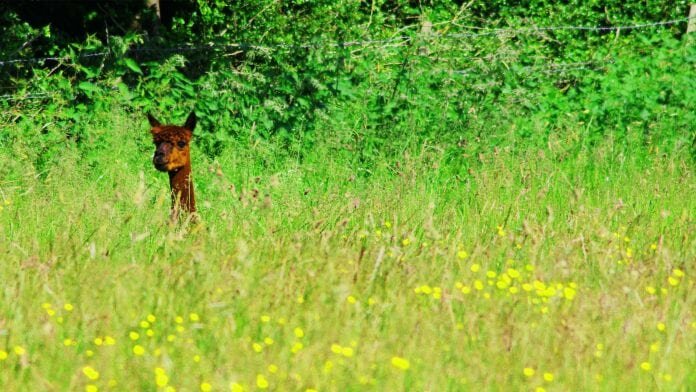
pixel 181 184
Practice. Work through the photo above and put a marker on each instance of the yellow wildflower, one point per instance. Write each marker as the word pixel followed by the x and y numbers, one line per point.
pixel 296 347
pixel 437 293
pixel 261 381
pixel 236 387
pixel 569 293
pixel 90 372
pixel 161 380
pixel 400 363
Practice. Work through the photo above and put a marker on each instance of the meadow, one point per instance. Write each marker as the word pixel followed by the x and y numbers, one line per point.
pixel 392 196
pixel 538 269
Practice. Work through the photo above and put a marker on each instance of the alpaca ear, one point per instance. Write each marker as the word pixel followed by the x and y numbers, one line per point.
pixel 153 121
pixel 190 122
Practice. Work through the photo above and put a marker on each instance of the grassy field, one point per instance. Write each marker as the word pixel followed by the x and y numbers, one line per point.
pixel 559 268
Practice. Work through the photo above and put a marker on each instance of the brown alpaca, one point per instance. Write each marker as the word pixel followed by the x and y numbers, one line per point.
pixel 172 155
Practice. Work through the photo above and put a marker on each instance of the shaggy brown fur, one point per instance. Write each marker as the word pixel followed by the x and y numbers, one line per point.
pixel 172 155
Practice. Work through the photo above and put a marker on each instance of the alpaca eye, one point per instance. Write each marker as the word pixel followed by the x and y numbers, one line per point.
pixel 181 144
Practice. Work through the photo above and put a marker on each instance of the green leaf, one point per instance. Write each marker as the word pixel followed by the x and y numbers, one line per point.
pixel 211 105
pixel 130 63
pixel 123 89
pixel 88 87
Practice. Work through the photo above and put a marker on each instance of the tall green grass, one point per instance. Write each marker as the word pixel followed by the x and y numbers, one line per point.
pixel 326 273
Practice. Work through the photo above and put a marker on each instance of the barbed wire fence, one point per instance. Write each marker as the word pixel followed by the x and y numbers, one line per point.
pixel 395 41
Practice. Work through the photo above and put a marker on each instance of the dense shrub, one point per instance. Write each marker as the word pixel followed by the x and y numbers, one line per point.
pixel 294 73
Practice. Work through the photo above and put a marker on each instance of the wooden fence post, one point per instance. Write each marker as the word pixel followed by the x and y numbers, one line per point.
pixel 691 25
pixel 425 33
pixel 156 5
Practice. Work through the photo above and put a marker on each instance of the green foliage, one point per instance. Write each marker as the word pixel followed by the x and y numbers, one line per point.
pixel 338 181
pixel 297 77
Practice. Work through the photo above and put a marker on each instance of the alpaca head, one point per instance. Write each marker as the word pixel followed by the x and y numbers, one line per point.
pixel 171 143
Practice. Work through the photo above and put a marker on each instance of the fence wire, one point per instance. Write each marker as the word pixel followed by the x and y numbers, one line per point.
pixel 529 30
pixel 356 43
pixel 553 68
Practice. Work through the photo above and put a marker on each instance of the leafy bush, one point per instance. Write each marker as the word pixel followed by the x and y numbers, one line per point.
pixel 304 80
